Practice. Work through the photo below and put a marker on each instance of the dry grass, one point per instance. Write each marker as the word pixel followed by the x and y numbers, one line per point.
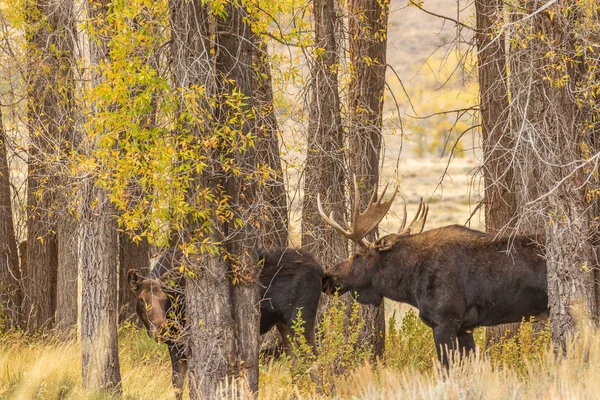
pixel 48 369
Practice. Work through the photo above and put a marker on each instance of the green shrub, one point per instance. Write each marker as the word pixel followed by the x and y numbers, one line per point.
pixel 516 351
pixel 410 345
pixel 339 350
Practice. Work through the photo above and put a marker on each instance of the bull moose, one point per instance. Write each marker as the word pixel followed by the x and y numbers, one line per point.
pixel 290 281
pixel 457 277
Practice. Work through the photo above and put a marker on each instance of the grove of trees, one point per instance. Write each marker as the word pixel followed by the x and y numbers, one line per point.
pixel 127 127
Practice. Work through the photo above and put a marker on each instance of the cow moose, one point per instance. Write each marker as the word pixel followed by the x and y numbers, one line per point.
pixel 457 277
pixel 290 281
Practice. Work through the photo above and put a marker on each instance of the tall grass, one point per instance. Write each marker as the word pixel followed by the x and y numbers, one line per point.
pixel 521 367
pixel 47 368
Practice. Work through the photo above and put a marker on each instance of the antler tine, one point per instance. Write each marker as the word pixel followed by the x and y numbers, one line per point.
pixel 403 223
pixel 418 222
pixel 329 220
pixel 362 223
pixel 365 222
pixel 356 211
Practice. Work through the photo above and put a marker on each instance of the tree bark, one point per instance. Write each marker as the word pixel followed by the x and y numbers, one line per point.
pixel 552 127
pixel 273 195
pixel 98 258
pixel 499 191
pixel 500 201
pixel 368 40
pixel 208 293
pixel 67 277
pixel 98 250
pixel 324 168
pixel 11 293
pixel 132 255
pixel 50 35
pixel 236 76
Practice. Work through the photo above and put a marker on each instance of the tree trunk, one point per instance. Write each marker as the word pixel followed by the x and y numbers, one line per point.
pixel 548 148
pixel 324 169
pixel 50 96
pixel 499 201
pixel 132 255
pixel 208 293
pixel 67 277
pixel 98 251
pixel 368 39
pixel 10 275
pixel 236 76
pixel 98 258
pixel 499 197
pixel 273 195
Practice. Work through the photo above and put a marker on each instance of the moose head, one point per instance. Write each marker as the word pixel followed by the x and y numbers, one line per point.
pixel 356 272
pixel 153 303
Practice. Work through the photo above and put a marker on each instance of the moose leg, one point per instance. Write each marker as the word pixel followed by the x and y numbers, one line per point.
pixel 285 332
pixel 466 343
pixel 445 342
pixel 309 334
pixel 179 369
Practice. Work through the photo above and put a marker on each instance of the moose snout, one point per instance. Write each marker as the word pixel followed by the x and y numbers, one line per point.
pixel 329 286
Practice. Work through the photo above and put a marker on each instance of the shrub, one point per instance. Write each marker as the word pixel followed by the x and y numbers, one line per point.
pixel 515 352
pixel 410 345
pixel 339 350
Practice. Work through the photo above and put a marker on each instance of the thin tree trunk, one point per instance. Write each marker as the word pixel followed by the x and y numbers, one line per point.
pixel 132 255
pixel 500 201
pixel 67 277
pixel 324 169
pixel 98 252
pixel 500 198
pixel 368 40
pixel 97 258
pixel 66 224
pixel 10 274
pixel 274 228
pixel 272 195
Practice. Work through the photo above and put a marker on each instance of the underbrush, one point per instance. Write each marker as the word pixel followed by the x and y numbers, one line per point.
pixel 45 367
pixel 522 366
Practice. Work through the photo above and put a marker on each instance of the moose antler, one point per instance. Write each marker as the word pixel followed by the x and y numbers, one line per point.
pixel 362 223
pixel 418 222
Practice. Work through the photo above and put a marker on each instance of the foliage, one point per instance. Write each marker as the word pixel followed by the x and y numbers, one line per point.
pixel 401 342
pixel 339 351
pixel 518 351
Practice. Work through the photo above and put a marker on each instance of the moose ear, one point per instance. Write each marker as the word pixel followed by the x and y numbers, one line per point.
pixel 385 243
pixel 134 279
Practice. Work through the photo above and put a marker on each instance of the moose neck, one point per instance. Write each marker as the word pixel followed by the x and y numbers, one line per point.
pixel 396 278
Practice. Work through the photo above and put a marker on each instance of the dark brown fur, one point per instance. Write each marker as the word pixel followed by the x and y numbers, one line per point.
pixel 290 282
pixel 457 277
